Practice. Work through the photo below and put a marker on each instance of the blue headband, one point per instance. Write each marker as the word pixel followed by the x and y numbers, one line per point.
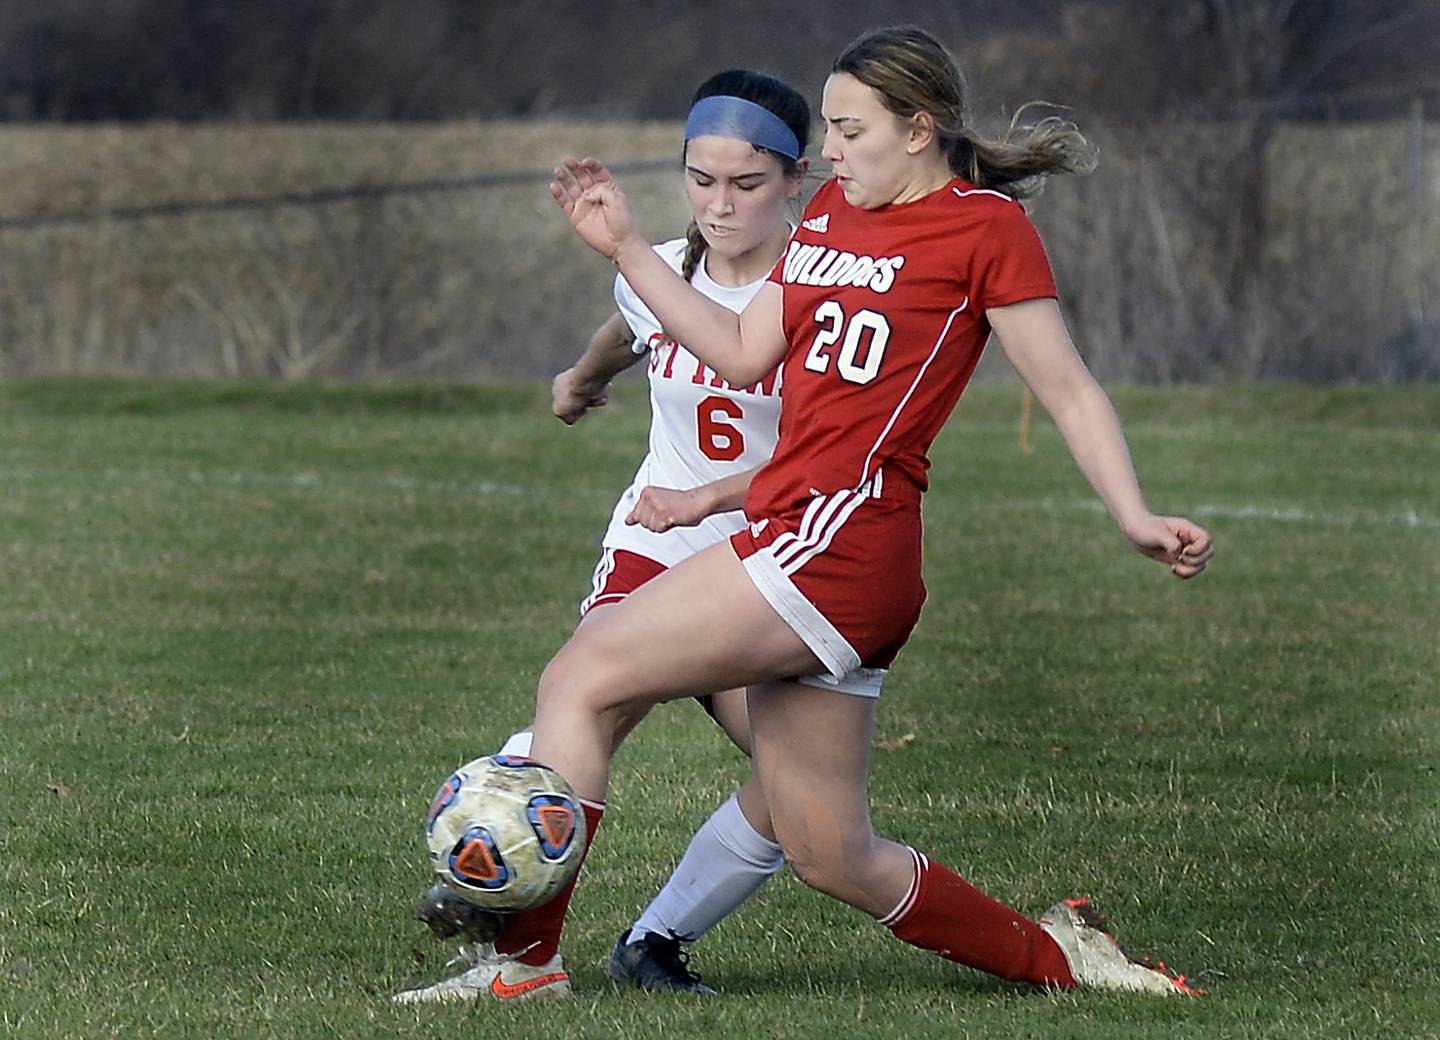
pixel 726 116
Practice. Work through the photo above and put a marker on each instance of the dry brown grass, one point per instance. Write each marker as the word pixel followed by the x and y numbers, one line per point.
pixel 488 283
pixel 56 168
pixel 450 283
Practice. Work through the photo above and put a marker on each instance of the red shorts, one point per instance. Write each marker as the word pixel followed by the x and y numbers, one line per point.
pixel 619 573
pixel 844 573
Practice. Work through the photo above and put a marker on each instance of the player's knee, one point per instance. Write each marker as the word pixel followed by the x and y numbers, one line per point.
pixel 812 869
pixel 568 685
pixel 580 680
pixel 830 852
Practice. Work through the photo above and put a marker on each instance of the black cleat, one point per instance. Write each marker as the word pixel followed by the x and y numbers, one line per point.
pixel 448 915
pixel 655 963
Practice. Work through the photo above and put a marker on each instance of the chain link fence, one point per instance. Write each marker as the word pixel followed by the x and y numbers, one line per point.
pixel 335 252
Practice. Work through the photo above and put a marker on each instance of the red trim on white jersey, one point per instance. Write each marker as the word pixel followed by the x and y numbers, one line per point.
pixel 603 569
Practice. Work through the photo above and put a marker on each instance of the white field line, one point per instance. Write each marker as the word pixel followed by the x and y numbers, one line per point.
pixel 1219 429
pixel 1407 516
pixel 324 481
pixel 305 481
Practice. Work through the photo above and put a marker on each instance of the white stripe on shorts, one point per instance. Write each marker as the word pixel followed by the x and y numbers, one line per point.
pixel 809 534
pixel 832 648
pixel 823 518
pixel 770 568
pixel 816 504
pixel 603 570
pixel 827 534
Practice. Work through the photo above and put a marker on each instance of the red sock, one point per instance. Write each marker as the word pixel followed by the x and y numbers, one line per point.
pixel 540 928
pixel 945 914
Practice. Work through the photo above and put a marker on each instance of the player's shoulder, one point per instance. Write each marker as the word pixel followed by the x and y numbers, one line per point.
pixel 672 251
pixel 961 196
pixel 996 217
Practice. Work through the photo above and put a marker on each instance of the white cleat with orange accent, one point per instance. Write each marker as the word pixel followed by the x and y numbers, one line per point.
pixel 1097 961
pixel 494 976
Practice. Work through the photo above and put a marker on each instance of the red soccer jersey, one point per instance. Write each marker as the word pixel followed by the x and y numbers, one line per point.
pixel 885 316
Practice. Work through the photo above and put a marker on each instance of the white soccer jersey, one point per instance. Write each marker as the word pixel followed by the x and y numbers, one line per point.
pixel 701 429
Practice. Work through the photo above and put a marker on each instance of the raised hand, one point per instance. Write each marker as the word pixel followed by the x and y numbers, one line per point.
pixel 596 206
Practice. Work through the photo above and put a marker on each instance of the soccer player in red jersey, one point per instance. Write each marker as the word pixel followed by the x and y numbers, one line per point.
pixel 903 266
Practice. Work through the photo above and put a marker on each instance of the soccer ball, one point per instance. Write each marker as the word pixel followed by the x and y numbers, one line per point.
pixel 505 833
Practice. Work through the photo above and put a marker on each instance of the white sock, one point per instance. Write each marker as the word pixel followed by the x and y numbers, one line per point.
pixel 726 862
pixel 518 744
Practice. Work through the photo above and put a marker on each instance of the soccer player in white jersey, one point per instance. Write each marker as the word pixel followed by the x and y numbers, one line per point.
pixel 744 163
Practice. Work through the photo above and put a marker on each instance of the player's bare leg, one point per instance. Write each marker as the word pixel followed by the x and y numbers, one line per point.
pixel 727 707
pixel 816 790
pixel 530 940
pixel 520 742
pixel 642 651
pixel 700 626
pixel 811 756
pixel 730 711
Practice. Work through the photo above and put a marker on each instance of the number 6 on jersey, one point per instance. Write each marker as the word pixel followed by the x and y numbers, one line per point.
pixel 718 439
pixel 833 325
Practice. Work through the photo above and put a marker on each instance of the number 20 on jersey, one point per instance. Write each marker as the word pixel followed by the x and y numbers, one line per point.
pixel 862 338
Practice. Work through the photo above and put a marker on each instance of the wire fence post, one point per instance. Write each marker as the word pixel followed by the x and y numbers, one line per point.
pixel 1417 202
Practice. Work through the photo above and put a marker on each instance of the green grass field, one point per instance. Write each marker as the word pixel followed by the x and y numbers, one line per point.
pixel 246 630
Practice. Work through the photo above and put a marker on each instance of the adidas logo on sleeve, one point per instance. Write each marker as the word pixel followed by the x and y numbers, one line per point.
pixel 819 225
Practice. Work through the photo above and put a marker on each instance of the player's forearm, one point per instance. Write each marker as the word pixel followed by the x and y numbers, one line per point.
pixel 709 330
pixel 607 354
pixel 1087 421
pixel 727 493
